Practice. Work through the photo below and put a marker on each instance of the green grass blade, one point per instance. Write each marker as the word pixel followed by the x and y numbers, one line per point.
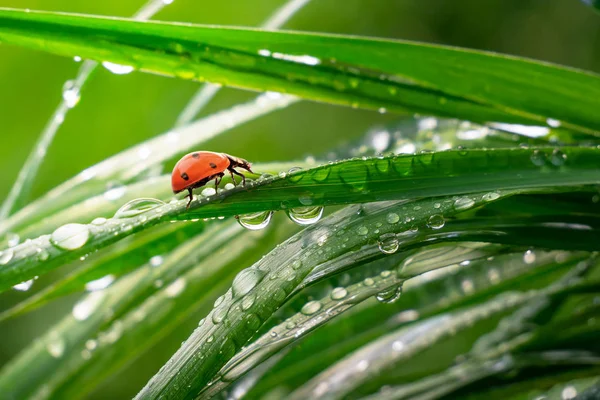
pixel 345 70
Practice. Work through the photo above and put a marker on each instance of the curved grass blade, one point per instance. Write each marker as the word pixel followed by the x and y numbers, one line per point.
pixel 351 181
pixel 22 186
pixel 377 74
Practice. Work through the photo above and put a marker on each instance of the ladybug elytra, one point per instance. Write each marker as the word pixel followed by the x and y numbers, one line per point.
pixel 200 167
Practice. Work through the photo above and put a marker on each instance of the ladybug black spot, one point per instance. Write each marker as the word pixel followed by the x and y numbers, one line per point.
pixel 185 176
pixel 213 165
pixel 196 155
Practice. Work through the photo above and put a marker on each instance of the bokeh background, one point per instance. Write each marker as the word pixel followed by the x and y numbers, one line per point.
pixel 116 112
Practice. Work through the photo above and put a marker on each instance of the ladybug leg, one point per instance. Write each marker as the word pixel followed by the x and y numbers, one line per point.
pixel 191 198
pixel 217 181
pixel 232 177
pixel 233 171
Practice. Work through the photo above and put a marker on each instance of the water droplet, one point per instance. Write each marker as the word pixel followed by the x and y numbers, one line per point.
pixel 388 243
pixel 115 191
pixel 296 264
pixel 208 191
pixel 311 307
pixel 382 165
pixel 70 236
pixel 175 288
pixel 398 346
pixel 355 176
pixel 568 393
pixel 77 59
pixel 390 294
pixel 70 93
pixel 85 307
pixel 491 196
pixel 247 302
pixel 56 347
pixel 23 286
pixel 42 254
pixel 529 257
pixel 558 158
pixel 368 282
pixel 538 158
pixel 99 221
pixel 246 280
pixel 392 218
pixel 553 123
pixel 219 315
pixel 293 176
pixel 12 239
pixel 99 284
pixel 91 344
pixel 362 230
pixel 137 206
pixel 436 221
pixel 255 221
pixel 117 69
pixel 6 256
pixel 321 174
pixel 305 215
pixel 463 203
pixel 338 293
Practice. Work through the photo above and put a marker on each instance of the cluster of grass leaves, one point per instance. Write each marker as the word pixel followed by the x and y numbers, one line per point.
pixel 456 259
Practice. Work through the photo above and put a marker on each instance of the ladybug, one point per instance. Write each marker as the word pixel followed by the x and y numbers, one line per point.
pixel 200 167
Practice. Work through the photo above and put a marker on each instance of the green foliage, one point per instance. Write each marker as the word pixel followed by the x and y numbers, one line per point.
pixel 454 262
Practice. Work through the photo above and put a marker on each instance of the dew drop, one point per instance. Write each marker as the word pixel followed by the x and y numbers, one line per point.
pixel 229 186
pixel 12 239
pixel 42 254
pixel 568 393
pixel 321 174
pixel 91 344
pixel 529 257
pixel 382 165
pixel 388 243
pixel 553 123
pixel 392 218
pixel 99 284
pixel 247 302
pixel 246 280
pixel 56 347
pixel 23 286
pixel 311 307
pixel 436 221
pixel 389 295
pixel 558 158
pixel 368 282
pixel 463 203
pixel 175 288
pixel 70 93
pixel 70 236
pixel 255 221
pixel 338 293
pixel 355 176
pixel 115 191
pixel 296 264
pixel 117 69
pixel 6 256
pixel 491 196
pixel 85 307
pixel 219 315
pixel 362 230
pixel 292 176
pixel 210 339
pixel 305 215
pixel 208 191
pixel 137 206
pixel 538 158
pixel 156 261
pixel 99 221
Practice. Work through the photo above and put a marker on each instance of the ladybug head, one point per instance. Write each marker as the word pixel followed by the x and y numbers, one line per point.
pixel 240 162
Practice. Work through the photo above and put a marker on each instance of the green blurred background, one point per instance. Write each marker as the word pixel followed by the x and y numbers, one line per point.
pixel 116 112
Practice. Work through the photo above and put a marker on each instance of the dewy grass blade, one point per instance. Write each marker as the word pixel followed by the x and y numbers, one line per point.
pixel 350 181
pixel 205 94
pixel 352 71
pixel 70 97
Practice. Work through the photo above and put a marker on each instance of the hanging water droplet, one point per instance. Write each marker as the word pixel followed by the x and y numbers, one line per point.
pixel 491 196
pixel 311 307
pixel 115 191
pixel 56 347
pixel 255 221
pixel 99 221
pixel 436 221
pixel 338 293
pixel 306 215
pixel 70 93
pixel 558 158
pixel 208 191
pixel 100 284
pixel 117 69
pixel 246 280
pixel 463 203
pixel 23 286
pixel 388 243
pixel 176 288
pixel 389 295
pixel 6 256
pixel 137 206
pixel 156 261
pixel 70 236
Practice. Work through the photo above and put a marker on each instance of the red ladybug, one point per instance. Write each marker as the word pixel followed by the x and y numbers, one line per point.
pixel 198 168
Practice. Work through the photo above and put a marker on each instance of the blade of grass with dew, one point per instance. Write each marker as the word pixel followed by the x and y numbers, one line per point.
pixel 352 71
pixel 70 97
pixel 350 181
pixel 208 90
pixel 127 165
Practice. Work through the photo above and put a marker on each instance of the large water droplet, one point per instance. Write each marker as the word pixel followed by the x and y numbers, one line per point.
pixel 246 280
pixel 255 221
pixel 6 256
pixel 70 93
pixel 311 307
pixel 388 243
pixel 138 206
pixel 23 286
pixel 463 203
pixel 70 236
pixel 389 295
pixel 436 221
pixel 305 215
pixel 117 69
pixel 339 293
